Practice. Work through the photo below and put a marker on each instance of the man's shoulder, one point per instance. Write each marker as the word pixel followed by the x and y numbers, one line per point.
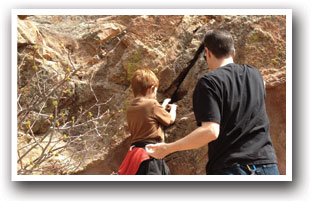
pixel 220 71
pixel 223 73
pixel 232 68
pixel 213 76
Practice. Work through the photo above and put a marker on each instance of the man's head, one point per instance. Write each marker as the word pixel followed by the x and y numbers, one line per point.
pixel 144 81
pixel 219 45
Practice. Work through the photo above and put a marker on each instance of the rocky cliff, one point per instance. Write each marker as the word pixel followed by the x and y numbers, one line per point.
pixel 111 48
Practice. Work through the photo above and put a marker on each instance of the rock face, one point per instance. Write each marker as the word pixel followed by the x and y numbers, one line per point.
pixel 276 109
pixel 113 47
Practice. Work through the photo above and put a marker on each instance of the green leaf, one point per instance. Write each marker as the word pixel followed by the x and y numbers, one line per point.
pixel 35 67
pixel 28 123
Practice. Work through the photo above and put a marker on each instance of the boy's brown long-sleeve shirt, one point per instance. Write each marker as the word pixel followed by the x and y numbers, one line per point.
pixel 144 118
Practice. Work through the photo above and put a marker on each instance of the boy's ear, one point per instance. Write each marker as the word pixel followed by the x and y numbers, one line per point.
pixel 152 88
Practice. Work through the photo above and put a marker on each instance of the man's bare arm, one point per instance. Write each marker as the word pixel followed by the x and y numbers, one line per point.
pixel 201 136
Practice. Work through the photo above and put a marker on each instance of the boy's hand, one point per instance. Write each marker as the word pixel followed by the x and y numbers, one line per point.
pixel 166 102
pixel 171 106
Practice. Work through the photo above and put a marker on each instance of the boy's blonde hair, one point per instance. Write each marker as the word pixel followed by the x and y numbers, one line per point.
pixel 143 79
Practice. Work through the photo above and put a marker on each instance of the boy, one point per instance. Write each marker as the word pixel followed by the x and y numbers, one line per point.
pixel 145 116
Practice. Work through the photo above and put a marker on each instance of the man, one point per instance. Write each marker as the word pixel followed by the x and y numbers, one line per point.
pixel 229 107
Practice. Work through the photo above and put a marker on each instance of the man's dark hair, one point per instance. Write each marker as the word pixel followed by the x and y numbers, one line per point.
pixel 220 43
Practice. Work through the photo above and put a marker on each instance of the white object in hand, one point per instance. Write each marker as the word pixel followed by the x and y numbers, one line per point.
pixel 148 150
pixel 166 101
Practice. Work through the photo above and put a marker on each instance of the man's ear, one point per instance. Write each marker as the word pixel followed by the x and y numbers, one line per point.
pixel 208 52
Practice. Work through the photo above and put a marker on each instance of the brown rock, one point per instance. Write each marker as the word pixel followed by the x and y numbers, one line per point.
pixel 41 126
pixel 276 109
pixel 22 17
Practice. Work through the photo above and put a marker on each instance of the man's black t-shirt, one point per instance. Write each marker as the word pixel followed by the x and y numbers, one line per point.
pixel 233 96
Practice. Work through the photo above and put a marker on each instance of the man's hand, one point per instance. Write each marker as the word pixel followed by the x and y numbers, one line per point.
pixel 159 150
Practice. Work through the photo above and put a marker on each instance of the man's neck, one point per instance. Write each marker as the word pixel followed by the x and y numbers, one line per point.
pixel 222 62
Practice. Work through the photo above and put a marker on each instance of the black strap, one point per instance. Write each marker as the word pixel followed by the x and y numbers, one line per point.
pixel 140 144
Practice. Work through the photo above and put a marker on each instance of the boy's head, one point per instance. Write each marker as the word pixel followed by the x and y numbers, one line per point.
pixel 220 43
pixel 142 80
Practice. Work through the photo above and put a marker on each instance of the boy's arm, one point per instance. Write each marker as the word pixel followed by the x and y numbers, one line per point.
pixel 162 115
